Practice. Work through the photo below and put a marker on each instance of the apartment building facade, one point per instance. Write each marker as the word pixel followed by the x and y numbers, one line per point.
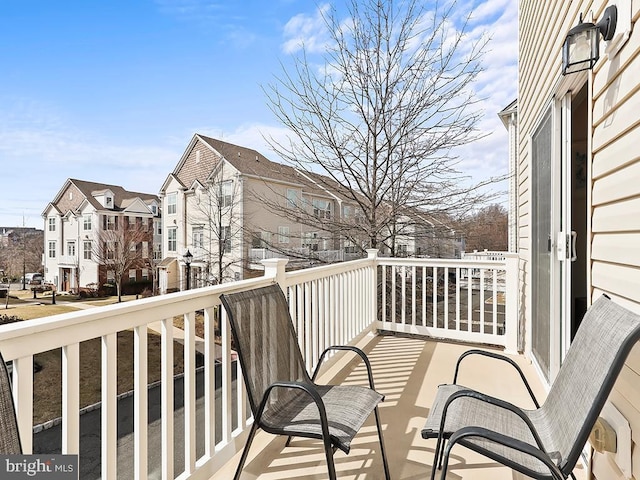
pixel 75 222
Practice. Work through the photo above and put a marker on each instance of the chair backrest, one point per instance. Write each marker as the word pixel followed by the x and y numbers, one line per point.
pixel 265 339
pixel 9 435
pixel 602 343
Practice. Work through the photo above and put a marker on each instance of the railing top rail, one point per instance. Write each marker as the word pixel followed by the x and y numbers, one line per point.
pixel 42 334
pixel 315 273
pixel 443 262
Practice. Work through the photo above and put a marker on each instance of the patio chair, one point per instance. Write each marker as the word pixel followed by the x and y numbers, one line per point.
pixel 9 435
pixel 284 400
pixel 545 442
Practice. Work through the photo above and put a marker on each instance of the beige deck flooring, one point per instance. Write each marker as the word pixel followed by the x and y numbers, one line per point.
pixel 407 371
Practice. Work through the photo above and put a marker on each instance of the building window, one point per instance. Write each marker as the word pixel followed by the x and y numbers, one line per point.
pixel 86 222
pixel 111 276
pixel 110 250
pixel 321 209
pixel 154 209
pixel 157 226
pixel 132 275
pixel 86 248
pixel 145 274
pixel 52 224
pixel 172 203
pixel 145 223
pixel 292 197
pixel 145 249
pixel 225 194
pixel 157 251
pixel 108 201
pixel 197 236
pixel 172 239
pixel 225 238
pixel 132 223
pixel 283 234
pixel 310 241
pixel 71 249
pixel 110 222
pixel 52 249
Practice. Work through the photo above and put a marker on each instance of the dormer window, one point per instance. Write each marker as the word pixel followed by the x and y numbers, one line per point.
pixel 108 201
pixel 154 209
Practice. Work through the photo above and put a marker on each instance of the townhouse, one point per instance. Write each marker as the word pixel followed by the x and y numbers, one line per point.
pixel 75 222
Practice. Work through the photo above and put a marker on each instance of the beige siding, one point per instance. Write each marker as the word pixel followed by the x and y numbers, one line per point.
pixel 615 170
pixel 615 220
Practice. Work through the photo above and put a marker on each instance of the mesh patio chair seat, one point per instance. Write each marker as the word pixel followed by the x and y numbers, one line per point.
pixel 544 442
pixel 9 435
pixel 284 399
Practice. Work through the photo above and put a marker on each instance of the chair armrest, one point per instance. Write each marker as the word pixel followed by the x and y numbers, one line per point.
pixel 349 348
pixel 309 389
pixel 460 435
pixel 492 401
pixel 496 356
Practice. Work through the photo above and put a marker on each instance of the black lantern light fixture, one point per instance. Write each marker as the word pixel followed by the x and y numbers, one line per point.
pixel 187 261
pixel 581 48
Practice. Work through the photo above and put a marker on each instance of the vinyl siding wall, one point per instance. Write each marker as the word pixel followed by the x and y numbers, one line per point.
pixel 614 199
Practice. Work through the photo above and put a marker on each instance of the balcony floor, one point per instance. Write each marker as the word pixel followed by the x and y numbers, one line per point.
pixel 407 371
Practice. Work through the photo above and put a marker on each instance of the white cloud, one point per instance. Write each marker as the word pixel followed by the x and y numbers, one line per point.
pixel 307 30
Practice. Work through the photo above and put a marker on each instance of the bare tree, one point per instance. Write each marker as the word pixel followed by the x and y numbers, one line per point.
pixel 382 115
pixel 486 228
pixel 21 251
pixel 216 227
pixel 118 248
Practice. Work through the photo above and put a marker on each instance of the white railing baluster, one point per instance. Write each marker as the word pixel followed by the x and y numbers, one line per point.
pixel 383 314
pixel 166 393
pixel 482 270
pixel 424 296
pixel 470 300
pixel 209 382
pixel 23 398
pixel 140 408
pixel 494 300
pixel 458 279
pixel 413 295
pixel 109 407
pixel 189 392
pixel 446 298
pixel 226 379
pixel 71 399
pixel 434 295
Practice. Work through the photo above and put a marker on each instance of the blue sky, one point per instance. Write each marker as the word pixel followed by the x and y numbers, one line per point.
pixel 112 91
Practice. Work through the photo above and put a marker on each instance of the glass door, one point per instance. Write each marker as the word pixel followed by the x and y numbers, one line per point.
pixel 541 247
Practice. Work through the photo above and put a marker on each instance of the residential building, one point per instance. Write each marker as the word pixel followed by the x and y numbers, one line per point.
pixel 231 207
pixel 221 201
pixel 578 189
pixel 75 222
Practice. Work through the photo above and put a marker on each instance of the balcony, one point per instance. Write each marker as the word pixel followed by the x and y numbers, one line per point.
pixel 199 421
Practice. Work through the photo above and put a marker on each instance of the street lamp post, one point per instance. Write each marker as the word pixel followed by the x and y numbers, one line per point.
pixel 187 261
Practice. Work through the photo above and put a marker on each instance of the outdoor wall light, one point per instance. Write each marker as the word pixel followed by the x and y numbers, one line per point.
pixel 581 48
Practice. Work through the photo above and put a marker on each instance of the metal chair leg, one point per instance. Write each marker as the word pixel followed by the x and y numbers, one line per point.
pixel 245 452
pixel 437 456
pixel 328 451
pixel 382 450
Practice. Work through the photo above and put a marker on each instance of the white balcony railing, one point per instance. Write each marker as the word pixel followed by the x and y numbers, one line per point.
pixel 332 304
